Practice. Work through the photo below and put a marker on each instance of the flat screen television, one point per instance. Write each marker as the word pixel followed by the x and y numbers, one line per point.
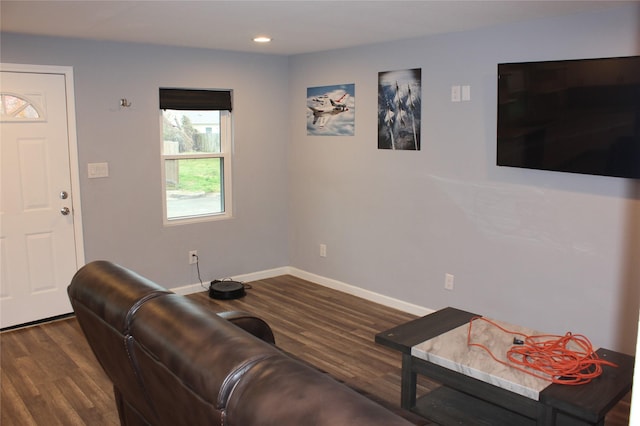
pixel 579 116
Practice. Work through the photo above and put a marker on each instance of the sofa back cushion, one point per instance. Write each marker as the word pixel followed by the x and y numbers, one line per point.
pixel 102 295
pixel 190 359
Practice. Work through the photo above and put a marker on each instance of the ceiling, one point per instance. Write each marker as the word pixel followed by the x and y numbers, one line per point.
pixel 295 26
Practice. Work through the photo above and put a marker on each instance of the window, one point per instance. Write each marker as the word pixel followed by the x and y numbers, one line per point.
pixel 16 108
pixel 196 154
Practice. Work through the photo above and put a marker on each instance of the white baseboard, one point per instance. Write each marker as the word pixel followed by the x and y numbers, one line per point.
pixel 320 280
pixel 188 289
pixel 360 292
pixel 254 276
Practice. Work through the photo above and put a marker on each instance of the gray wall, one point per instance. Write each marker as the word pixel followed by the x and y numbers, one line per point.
pixel 122 214
pixel 556 251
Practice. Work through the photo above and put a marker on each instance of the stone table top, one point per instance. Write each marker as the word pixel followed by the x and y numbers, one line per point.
pixel 450 350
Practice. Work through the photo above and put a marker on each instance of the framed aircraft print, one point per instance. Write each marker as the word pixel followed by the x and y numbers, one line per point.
pixel 331 110
pixel 399 108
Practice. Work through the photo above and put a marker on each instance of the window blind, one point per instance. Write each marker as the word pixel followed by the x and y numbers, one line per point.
pixel 195 100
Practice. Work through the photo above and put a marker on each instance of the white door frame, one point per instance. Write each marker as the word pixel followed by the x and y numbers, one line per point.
pixel 74 169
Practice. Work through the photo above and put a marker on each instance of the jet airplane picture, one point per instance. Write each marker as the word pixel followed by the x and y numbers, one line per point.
pixel 331 110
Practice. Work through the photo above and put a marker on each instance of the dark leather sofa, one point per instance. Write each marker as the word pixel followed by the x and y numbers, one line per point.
pixel 173 362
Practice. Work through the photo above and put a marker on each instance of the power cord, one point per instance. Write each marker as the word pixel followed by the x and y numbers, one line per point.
pixel 548 357
pixel 198 269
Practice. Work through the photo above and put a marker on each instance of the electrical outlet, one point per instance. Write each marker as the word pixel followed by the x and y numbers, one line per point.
pixel 323 250
pixel 193 257
pixel 448 281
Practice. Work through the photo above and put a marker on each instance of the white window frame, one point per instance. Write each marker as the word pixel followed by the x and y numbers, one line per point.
pixel 226 154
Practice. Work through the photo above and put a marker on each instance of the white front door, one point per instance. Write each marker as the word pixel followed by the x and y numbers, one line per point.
pixel 38 236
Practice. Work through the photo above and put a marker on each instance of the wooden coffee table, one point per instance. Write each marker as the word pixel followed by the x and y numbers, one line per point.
pixel 466 400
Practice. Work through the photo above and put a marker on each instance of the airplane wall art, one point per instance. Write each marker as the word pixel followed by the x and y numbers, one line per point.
pixel 331 110
pixel 399 109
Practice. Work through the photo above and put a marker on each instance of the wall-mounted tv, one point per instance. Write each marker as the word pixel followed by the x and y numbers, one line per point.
pixel 579 116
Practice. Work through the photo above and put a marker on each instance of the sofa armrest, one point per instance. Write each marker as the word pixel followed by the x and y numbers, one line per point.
pixel 250 323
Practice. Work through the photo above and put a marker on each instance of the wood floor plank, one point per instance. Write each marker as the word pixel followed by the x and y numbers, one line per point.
pixel 50 376
pixel 14 408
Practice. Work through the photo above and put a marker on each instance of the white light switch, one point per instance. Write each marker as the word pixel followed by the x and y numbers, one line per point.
pixel 466 93
pixel 455 93
pixel 98 170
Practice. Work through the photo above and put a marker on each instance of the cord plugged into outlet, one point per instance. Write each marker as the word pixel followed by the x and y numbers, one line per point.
pixel 193 257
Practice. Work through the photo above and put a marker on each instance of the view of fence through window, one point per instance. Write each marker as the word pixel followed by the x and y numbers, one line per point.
pixel 193 163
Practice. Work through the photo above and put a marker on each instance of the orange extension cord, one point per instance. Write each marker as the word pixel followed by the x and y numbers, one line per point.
pixel 548 357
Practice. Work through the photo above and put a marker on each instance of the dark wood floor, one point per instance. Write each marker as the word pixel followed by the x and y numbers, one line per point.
pixel 50 377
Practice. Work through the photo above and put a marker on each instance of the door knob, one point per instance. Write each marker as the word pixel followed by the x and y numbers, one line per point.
pixel 64 195
pixel 65 211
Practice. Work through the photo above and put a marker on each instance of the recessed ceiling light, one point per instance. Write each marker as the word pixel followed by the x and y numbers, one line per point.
pixel 262 39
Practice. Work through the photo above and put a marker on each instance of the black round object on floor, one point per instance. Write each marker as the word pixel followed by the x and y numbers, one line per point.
pixel 226 290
